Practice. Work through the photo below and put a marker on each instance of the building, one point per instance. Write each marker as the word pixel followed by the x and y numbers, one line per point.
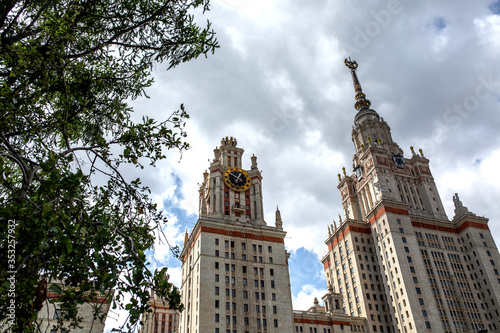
pixel 234 265
pixel 395 264
pixel 92 313
pixel 161 319
pixel 397 259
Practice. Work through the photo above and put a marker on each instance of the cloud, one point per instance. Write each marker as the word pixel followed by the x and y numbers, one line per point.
pixel 305 298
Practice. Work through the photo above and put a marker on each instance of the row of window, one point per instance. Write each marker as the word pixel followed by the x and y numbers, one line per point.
pixel 243 257
pixel 245 281
pixel 232 293
pixel 255 247
pixel 246 321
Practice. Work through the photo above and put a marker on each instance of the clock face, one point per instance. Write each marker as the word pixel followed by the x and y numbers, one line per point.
pixel 358 172
pixel 398 160
pixel 237 179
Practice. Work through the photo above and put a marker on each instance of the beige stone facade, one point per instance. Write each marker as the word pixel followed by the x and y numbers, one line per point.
pixel 235 267
pixel 50 313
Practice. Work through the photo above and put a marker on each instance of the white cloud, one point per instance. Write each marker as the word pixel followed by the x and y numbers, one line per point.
pixel 305 298
pixel 488 30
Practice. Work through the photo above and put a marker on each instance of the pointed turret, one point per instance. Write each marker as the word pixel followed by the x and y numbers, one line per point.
pixel 186 237
pixel 279 222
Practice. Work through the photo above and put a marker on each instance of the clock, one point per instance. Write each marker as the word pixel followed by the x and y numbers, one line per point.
pixel 398 160
pixel 358 172
pixel 237 179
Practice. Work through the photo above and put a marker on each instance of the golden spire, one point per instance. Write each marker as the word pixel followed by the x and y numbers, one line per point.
pixel 361 101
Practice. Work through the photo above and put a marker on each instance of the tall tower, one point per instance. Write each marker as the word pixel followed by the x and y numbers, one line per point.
pixel 234 266
pixel 397 259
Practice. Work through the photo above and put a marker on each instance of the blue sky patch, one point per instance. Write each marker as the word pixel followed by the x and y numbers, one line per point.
pixel 439 23
pixel 305 268
pixel 495 7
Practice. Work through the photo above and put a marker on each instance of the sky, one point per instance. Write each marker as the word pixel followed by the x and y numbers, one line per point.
pixel 279 85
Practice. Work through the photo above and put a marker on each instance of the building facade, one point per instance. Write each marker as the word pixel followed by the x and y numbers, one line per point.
pixel 234 265
pixel 397 259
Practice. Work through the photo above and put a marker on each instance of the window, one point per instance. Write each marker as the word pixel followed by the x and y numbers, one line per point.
pixel 216 317
pixel 227 292
pixel 245 294
pixel 271 272
pixel 272 283
pixel 256 295
pixel 418 291
pixel 226 243
pixel 216 253
pixel 270 249
pixel 216 241
pixel 275 310
pixel 216 303
pixel 216 277
pixel 270 260
pixel 57 314
pixel 227 267
pixel 403 239
pixel 245 307
pixel 273 296
pixel 401 230
pixel 216 290
pixel 275 322
pixel 243 246
pixel 216 265
pixel 244 269
pixel 244 281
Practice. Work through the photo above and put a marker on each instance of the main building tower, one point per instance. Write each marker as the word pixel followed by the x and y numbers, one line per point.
pixel 397 259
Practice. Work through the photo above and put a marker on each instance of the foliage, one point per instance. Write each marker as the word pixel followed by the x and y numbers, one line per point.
pixel 67 70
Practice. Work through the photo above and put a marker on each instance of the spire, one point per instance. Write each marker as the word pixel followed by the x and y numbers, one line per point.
pixel 361 101
pixel 186 237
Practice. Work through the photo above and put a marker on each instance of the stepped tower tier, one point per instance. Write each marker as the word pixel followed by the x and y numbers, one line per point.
pixel 228 192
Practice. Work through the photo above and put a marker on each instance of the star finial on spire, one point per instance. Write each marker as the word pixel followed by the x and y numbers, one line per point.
pixel 361 101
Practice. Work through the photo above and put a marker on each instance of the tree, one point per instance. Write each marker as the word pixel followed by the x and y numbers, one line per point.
pixel 67 70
